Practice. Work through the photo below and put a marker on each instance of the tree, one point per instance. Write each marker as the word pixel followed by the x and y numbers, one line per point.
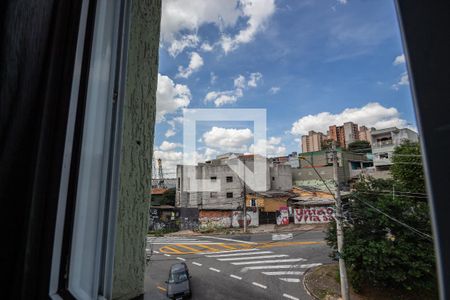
pixel 326 144
pixel 407 169
pixel 168 197
pixel 359 147
pixel 379 249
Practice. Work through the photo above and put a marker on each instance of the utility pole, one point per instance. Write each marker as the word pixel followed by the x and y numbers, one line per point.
pixel 339 229
pixel 245 202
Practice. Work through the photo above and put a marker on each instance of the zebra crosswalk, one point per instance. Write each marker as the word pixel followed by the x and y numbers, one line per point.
pixel 192 245
pixel 286 268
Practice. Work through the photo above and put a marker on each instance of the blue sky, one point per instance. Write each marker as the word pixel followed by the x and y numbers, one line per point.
pixel 309 63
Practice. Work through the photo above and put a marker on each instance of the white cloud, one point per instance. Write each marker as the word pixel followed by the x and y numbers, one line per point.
pixel 169 159
pixel 273 90
pixel 343 2
pixel 170 97
pixel 207 47
pixel 228 139
pixel 370 115
pixel 181 16
pixel 404 80
pixel 195 64
pixel 399 60
pixel 170 132
pixel 254 79
pixel 223 97
pixel 257 13
pixel 270 147
pixel 231 96
pixel 239 82
pixel 166 146
pixel 186 41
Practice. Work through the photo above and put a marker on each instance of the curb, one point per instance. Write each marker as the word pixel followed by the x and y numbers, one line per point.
pixel 308 291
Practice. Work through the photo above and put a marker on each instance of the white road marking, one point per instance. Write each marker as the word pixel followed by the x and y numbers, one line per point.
pixel 280 237
pixel 253 257
pixel 186 243
pixel 215 270
pixel 290 279
pixel 181 258
pixel 269 261
pixel 229 251
pixel 196 263
pixel 166 254
pixel 227 239
pixel 281 267
pixel 237 254
pixel 259 285
pixel 283 273
pixel 290 297
pixel 236 277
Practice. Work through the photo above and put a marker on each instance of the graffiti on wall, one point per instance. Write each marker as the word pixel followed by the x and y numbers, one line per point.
pixel 313 215
pixel 252 218
pixel 283 216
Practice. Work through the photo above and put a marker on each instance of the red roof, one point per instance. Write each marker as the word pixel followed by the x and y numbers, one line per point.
pixel 158 191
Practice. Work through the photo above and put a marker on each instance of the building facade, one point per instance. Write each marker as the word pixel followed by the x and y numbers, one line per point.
pixel 384 142
pixel 228 191
pixel 350 165
pixel 344 135
pixel 336 133
pixel 312 141
pixel 364 134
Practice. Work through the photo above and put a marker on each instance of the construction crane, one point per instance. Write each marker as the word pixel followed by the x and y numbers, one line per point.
pixel 161 183
pixel 154 179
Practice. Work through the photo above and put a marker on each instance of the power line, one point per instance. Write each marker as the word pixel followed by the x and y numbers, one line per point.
pixel 390 193
pixel 420 233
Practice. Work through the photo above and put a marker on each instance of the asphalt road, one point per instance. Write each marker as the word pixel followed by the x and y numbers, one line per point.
pixel 237 267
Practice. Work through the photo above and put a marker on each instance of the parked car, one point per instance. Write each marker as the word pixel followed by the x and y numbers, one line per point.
pixel 179 284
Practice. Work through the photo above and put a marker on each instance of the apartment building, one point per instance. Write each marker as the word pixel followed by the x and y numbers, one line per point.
pixel 384 142
pixel 350 165
pixel 312 141
pixel 229 187
pixel 290 159
pixel 364 134
pixel 336 133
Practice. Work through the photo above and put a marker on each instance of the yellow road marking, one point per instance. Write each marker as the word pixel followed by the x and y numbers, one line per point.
pixel 173 250
pixel 161 288
pixel 207 247
pixel 228 247
pixel 189 248
pixel 179 249
pixel 170 250
pixel 285 244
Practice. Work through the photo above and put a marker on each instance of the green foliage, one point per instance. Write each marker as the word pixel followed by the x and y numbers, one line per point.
pixel 379 251
pixel 326 144
pixel 168 198
pixel 360 147
pixel 407 169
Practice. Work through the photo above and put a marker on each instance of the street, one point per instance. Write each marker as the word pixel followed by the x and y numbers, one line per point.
pixel 258 266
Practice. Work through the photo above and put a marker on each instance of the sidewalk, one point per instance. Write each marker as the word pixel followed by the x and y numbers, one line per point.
pixel 265 228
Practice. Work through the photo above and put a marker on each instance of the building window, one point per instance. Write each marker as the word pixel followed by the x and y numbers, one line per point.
pixel 273 178
pixel 253 202
pixel 179 183
pixel 229 195
pixel 213 194
pixel 229 178
pixel 384 155
pixel 213 178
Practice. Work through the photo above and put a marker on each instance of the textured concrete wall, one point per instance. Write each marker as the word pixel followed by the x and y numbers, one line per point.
pixel 137 147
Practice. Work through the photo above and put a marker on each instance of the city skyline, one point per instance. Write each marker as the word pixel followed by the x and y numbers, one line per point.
pixel 309 64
